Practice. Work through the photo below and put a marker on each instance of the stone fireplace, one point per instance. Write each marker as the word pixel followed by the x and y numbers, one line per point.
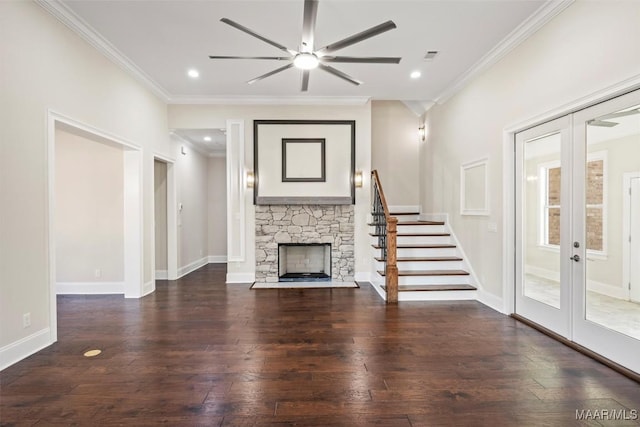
pixel 312 225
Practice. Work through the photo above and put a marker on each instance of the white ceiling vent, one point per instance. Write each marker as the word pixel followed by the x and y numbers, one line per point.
pixel 430 55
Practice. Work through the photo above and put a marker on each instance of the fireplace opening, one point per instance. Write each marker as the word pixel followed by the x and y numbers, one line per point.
pixel 304 262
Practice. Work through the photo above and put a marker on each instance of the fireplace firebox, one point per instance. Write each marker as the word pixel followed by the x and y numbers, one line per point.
pixel 304 262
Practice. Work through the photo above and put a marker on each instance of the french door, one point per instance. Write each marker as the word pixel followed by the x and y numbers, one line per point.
pixel 576 262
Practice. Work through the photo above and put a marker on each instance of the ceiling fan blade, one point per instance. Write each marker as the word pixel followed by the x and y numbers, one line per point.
pixel 340 74
pixel 309 24
pixel 360 60
pixel 619 114
pixel 270 73
pixel 273 58
pixel 305 80
pixel 256 35
pixel 356 38
pixel 602 123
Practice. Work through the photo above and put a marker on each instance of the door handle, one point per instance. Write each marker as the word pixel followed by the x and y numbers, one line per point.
pixel 575 258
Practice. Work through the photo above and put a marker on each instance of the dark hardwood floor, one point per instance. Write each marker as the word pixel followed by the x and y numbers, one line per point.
pixel 200 353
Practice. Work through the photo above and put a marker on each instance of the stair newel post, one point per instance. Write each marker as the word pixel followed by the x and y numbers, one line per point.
pixel 391 273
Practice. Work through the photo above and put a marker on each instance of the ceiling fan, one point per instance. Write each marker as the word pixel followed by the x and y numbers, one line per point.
pixel 308 57
pixel 605 121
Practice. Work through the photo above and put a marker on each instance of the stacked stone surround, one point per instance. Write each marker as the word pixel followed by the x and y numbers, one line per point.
pixel 305 224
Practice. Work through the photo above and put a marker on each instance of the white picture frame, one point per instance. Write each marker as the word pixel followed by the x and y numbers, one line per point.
pixel 474 188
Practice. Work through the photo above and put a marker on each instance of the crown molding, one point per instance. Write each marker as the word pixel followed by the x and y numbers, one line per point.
pixel 69 18
pixel 544 14
pixel 268 100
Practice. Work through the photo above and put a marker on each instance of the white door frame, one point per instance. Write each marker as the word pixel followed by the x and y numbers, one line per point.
pixel 133 203
pixel 172 221
pixel 555 319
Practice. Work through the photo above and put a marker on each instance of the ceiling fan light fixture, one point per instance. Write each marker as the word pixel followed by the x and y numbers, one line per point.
pixel 306 61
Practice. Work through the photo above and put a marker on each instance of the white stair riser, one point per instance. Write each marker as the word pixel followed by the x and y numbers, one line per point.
pixel 416 240
pixel 437 296
pixel 423 240
pixel 422 229
pixel 432 252
pixel 424 265
pixel 433 280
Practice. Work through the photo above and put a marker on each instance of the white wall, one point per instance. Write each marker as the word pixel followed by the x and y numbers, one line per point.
pixel 217 213
pixel 192 176
pixel 89 221
pixel 588 47
pixel 394 151
pixel 214 116
pixel 47 66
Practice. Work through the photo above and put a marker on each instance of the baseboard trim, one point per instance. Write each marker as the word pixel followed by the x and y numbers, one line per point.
pixel 189 268
pixel 148 288
pixel 378 289
pixel 492 301
pixel 89 288
pixel 161 275
pixel 25 347
pixel 241 278
pixel 217 259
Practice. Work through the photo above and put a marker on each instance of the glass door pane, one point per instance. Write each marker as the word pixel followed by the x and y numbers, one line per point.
pixel 543 286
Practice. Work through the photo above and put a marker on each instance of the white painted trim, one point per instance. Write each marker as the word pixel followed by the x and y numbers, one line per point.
pixel 404 208
pixel 626 231
pixel 463 194
pixel 161 275
pixel 172 227
pixel 133 224
pixel 362 276
pixel 240 278
pixel 25 347
pixel 438 296
pixel 69 18
pixel 236 191
pixel 490 300
pixel 521 33
pixel 148 287
pixel 217 259
pixel 379 290
pixel 466 263
pixel 267 100
pixel 89 288
pixel 193 266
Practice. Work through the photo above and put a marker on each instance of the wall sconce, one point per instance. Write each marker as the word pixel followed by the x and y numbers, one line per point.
pixel 422 133
pixel 358 179
pixel 250 179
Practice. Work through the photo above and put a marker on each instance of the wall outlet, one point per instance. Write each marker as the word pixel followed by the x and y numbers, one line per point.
pixel 97 273
pixel 26 320
pixel 492 227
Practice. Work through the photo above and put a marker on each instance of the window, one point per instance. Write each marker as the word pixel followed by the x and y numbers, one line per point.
pixel 549 178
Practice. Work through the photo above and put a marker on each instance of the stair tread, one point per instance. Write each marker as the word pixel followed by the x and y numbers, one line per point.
pixel 422 288
pixel 429 273
pixel 415 234
pixel 420 259
pixel 417 246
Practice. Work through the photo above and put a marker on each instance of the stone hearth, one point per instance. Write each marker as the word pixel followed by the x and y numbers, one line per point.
pixel 305 224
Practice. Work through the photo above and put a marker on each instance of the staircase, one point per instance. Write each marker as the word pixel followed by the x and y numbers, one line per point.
pixel 430 266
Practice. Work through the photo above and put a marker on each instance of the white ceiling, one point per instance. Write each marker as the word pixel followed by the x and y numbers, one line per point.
pixel 217 146
pixel 163 39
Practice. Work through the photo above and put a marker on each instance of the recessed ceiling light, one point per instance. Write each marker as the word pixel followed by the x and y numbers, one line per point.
pixel 193 73
pixel 207 138
pixel 415 74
